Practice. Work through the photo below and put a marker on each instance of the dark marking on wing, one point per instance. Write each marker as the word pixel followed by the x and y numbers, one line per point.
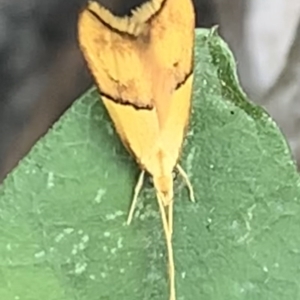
pixel 137 105
pixel 158 11
pixel 185 78
pixel 121 32
pixel 121 101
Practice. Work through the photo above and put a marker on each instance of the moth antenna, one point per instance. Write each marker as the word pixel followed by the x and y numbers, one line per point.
pixel 168 235
pixel 137 190
pixel 187 182
pixel 170 217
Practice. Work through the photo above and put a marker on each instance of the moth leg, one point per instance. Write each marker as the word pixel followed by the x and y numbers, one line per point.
pixel 137 190
pixel 187 182
pixel 168 235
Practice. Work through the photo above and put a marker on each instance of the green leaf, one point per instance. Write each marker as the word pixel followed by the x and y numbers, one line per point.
pixel 63 210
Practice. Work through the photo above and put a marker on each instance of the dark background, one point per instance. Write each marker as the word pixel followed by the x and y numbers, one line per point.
pixel 42 71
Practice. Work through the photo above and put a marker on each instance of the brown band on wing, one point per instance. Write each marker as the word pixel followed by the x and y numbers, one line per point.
pixel 127 102
pixel 123 32
pixel 158 11
pixel 109 26
pixel 138 106
pixel 185 78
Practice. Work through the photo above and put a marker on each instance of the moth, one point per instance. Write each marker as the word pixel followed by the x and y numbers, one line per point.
pixel 142 63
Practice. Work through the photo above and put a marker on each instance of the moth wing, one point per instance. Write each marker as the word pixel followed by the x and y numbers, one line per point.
pixel 115 61
pixel 143 83
pixel 138 129
pixel 124 83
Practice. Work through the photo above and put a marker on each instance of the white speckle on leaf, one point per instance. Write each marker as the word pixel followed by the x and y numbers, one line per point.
pixel 17 297
pixel 50 180
pixel 243 238
pixel 234 224
pixel 247 286
pixel 188 134
pixel 39 254
pixel 92 277
pixel 250 211
pixel 137 212
pixel 183 274
pixel 211 166
pixel 122 271
pixel 81 246
pixel 120 242
pixel 113 250
pixel 190 160
pixel 110 129
pixel 59 237
pixel 248 226
pixel 106 234
pixel 99 195
pixel 114 216
pixel 212 210
pixel 85 238
pixel 103 275
pixel 110 217
pixel 8 247
pixel 74 250
pixel 80 268
pixel 68 230
pixel 265 269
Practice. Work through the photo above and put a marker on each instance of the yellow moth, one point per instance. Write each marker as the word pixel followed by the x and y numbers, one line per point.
pixel 143 66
